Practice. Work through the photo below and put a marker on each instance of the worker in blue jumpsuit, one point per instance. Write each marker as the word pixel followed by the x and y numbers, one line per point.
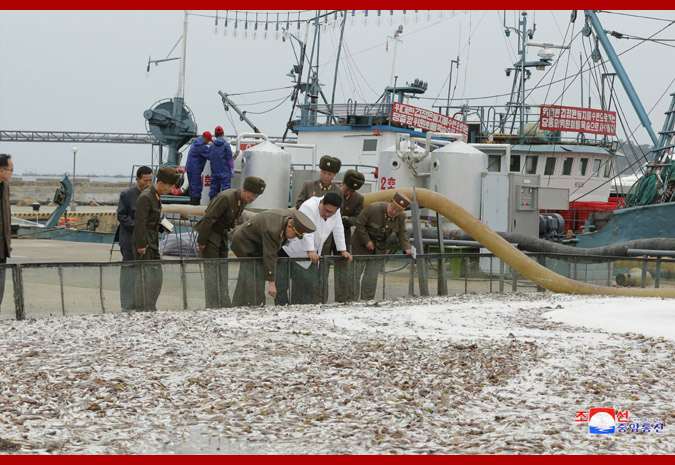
pixel 196 160
pixel 222 164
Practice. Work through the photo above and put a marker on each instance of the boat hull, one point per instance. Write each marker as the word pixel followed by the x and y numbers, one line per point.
pixel 628 224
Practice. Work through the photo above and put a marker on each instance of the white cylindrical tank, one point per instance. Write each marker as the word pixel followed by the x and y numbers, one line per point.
pixel 395 173
pixel 456 171
pixel 271 163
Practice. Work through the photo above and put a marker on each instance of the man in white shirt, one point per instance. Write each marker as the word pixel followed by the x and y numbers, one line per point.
pixel 325 213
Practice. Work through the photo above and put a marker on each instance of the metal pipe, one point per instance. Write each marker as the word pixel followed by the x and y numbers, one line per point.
pixel 251 135
pixel 651 253
pixel 502 249
pixel 302 146
pixel 227 101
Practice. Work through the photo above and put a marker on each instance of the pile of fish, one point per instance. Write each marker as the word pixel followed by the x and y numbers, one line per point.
pixel 460 374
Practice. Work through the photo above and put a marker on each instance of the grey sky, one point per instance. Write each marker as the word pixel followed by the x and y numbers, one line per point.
pixel 86 71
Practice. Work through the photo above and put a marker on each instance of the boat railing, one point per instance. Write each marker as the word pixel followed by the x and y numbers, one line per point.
pixel 502 123
pixel 487 123
pixel 349 114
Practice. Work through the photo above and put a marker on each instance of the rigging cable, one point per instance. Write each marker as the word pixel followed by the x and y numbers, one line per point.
pixel 638 160
pixel 267 101
pixel 229 116
pixel 632 15
pixel 592 67
pixel 260 91
pixel 273 108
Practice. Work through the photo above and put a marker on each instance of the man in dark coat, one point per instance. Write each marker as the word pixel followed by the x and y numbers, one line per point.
pixel 126 214
pixel 263 236
pixel 373 226
pixel 6 171
pixel 198 155
pixel 220 217
pixel 330 166
pixel 145 240
pixel 352 205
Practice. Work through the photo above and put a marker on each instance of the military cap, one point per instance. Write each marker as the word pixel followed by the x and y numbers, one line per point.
pixel 353 179
pixel 301 223
pixel 400 200
pixel 254 184
pixel 329 163
pixel 168 175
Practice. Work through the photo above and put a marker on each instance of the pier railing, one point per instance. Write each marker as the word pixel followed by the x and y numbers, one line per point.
pixel 50 289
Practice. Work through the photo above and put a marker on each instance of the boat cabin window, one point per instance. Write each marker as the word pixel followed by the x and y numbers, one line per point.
pixel 596 168
pixel 370 145
pixel 515 164
pixel 567 166
pixel 582 166
pixel 549 169
pixel 531 164
pixel 494 163
pixel 608 165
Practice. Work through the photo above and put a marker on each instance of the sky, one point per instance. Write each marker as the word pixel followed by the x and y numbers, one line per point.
pixel 86 71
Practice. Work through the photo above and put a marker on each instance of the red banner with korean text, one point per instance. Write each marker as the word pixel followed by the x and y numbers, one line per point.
pixel 427 120
pixel 555 118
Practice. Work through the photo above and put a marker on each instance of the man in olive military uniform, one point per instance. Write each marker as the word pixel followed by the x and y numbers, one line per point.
pixel 330 166
pixel 373 226
pixel 220 217
pixel 352 205
pixel 263 236
pixel 145 239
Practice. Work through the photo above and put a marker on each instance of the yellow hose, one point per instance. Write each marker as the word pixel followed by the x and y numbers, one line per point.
pixel 505 251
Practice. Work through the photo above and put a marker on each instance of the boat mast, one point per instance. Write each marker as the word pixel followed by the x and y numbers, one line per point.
pixel 178 102
pixel 337 66
pixel 397 33
pixel 621 73
pixel 521 73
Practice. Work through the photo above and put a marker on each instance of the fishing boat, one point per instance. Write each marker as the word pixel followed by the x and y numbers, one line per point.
pixel 538 157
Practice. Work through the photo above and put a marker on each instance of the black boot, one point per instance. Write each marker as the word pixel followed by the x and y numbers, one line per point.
pixel 195 201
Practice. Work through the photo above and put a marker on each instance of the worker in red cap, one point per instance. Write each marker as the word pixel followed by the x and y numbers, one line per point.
pixel 222 164
pixel 197 157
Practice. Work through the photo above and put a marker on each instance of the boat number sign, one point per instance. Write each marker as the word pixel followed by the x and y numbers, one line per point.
pixel 427 120
pixel 555 118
